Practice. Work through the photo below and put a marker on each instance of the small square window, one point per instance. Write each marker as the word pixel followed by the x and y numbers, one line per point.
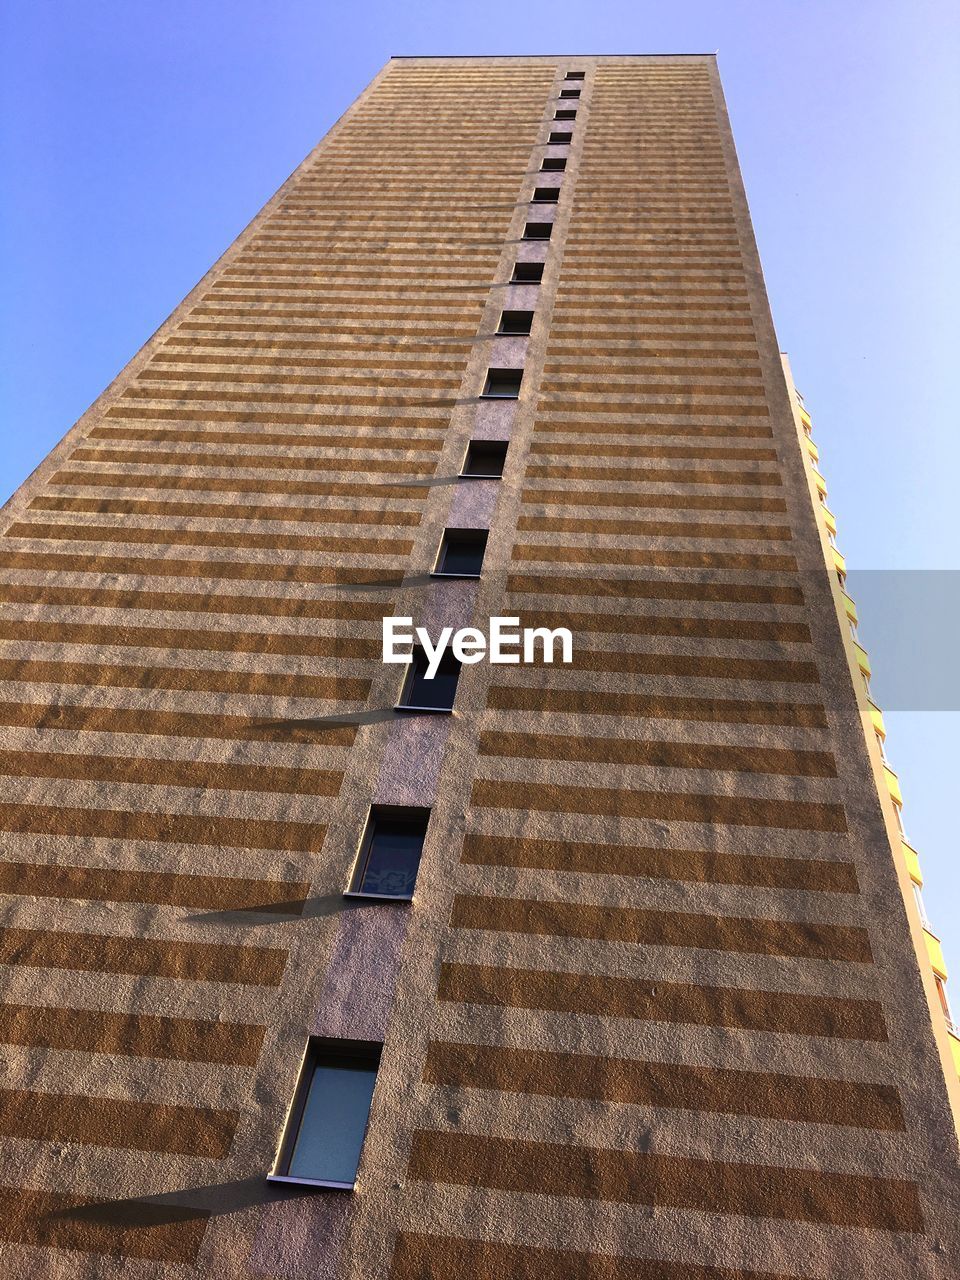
pixel 324 1134
pixel 553 164
pixel 537 230
pixel 485 459
pixel 565 113
pixel 569 93
pixel 559 137
pixel 516 322
pixel 527 273
pixel 546 195
pixel 390 853
pixel 502 384
pixel 575 75
pixel 435 693
pixel 461 553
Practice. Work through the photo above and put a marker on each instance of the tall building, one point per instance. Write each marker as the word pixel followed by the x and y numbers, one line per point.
pixel 614 973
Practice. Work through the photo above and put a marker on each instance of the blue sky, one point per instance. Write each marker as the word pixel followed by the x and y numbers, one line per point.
pixel 136 140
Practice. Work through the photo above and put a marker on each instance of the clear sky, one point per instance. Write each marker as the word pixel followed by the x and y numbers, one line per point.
pixel 136 140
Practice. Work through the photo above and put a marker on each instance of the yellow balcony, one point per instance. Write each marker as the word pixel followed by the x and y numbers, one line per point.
pixel 913 862
pixel 955 1046
pixel 829 519
pixel 839 563
pixel 876 718
pixel 812 449
pixel 850 607
pixel 804 416
pixel 863 658
pixel 893 784
pixel 935 954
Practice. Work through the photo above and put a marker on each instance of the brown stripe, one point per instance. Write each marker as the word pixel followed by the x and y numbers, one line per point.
pixel 633 752
pixel 253 461
pixel 652 589
pixel 554 554
pixel 136 1035
pixel 117 1228
pixel 808 715
pixel 642 1177
pixel 202 774
pixel 595 995
pixel 656 501
pixel 262 642
pixel 383 439
pixel 210 570
pixel 657 625
pixel 817 875
pixel 160 888
pixel 425 1257
pixel 347 544
pixel 737 811
pixel 165 828
pixel 110 1122
pixel 662 928
pixel 651 528
pixel 635 475
pixel 225 511
pixel 213 484
pixel 171 724
pixel 663 1084
pixel 590 449
pixel 55 593
pixel 700 667
pixel 189 961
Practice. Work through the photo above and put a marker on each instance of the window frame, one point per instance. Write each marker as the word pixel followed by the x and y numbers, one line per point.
pixel 464 577
pixel 545 195
pixel 528 226
pixel 376 813
pixel 568 94
pixel 416 708
pixel 565 113
pixel 560 138
pixel 319 1051
pixel 482 475
pixel 575 75
pixel 533 283
pixel 493 369
pixel 553 164
pixel 515 333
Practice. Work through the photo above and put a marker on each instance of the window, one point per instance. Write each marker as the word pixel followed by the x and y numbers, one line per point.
pixel 559 138
pixel 461 553
pixel 515 322
pixel 502 384
pixel 569 93
pixel 537 230
pixel 552 164
pixel 527 273
pixel 945 1003
pixel 575 75
pixel 918 899
pixel 328 1120
pixel 565 113
pixel 436 693
pixel 485 459
pixel 546 195
pixel 390 853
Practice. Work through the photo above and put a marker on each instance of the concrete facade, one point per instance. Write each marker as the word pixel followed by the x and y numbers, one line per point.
pixel 657 1008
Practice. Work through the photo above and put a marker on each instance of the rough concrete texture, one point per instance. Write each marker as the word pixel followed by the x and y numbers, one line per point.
pixel 656 1010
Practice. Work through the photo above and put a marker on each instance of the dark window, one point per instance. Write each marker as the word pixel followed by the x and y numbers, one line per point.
pixel 565 113
pixel 559 137
pixel 390 853
pixel 516 322
pixel 569 93
pixel 461 553
pixel 553 164
pixel 575 75
pixel 434 694
pixel 485 459
pixel 527 272
pixel 502 384
pixel 546 195
pixel 328 1119
pixel 537 230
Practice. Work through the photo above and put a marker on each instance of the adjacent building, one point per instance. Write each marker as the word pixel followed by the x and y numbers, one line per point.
pixel 314 966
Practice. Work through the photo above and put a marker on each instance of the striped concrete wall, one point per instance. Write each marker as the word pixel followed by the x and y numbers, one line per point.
pixel 654 1011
